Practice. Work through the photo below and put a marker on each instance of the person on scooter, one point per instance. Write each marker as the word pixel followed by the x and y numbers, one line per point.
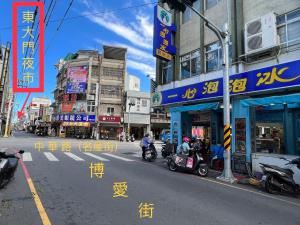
pixel 184 148
pixel 146 141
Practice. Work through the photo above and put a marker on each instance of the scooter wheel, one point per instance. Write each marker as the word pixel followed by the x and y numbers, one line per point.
pixel 172 165
pixel 202 170
pixel 268 185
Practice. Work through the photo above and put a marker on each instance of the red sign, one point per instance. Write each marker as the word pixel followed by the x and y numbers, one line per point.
pixel 67 107
pixel 17 5
pixel 110 119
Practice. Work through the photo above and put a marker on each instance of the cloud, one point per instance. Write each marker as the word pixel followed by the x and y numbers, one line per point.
pixel 139 31
pixel 142 67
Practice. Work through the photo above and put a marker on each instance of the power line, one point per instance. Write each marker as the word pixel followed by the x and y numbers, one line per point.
pixel 91 14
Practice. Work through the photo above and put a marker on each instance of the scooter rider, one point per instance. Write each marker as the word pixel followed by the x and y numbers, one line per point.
pixel 184 148
pixel 145 144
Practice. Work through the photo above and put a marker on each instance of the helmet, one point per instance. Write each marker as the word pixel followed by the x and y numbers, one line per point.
pixel 186 139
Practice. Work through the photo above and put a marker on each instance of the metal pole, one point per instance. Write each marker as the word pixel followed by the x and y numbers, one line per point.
pixel 128 128
pixel 8 115
pixel 227 173
pixel 97 109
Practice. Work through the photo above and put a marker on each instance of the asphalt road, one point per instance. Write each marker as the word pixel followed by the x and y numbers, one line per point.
pixel 70 196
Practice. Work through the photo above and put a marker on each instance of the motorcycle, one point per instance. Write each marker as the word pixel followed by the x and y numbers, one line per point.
pixel 132 139
pixel 150 153
pixel 121 138
pixel 194 163
pixel 8 167
pixel 127 138
pixel 277 179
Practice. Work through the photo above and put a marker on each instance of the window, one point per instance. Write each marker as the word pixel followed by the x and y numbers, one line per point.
pixel 188 13
pixel 91 106
pixel 110 111
pixel 190 64
pixel 213 57
pixel 138 108
pixel 95 71
pixel 132 101
pixel 138 101
pixel 93 87
pixel 113 73
pixel 288 26
pixel 167 72
pixel 144 103
pixel 110 90
pixel 211 3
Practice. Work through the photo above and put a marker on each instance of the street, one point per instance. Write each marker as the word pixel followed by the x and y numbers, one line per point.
pixel 70 196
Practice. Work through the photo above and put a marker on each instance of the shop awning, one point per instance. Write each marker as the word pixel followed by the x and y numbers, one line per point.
pixel 291 100
pixel 199 107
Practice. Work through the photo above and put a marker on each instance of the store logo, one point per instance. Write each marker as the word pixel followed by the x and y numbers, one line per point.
pixel 156 99
pixel 163 16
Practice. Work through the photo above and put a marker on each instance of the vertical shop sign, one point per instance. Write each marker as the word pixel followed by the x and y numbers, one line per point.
pixel 162 35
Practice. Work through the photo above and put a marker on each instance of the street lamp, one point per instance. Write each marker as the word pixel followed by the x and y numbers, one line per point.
pixel 130 104
pixel 224 38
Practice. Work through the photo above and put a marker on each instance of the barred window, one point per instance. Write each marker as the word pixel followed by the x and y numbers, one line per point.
pixel 114 73
pixel 111 90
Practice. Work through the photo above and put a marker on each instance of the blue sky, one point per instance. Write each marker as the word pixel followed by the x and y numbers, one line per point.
pixel 89 25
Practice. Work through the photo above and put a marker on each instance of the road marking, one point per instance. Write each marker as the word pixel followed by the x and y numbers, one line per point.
pixel 27 156
pixel 75 157
pixel 254 192
pixel 50 156
pixel 37 200
pixel 118 157
pixel 95 156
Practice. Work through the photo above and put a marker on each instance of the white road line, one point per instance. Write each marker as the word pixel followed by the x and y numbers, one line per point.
pixel 118 157
pixel 75 157
pixel 27 156
pixel 50 156
pixel 95 156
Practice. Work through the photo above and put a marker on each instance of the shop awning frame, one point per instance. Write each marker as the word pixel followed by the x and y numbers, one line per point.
pixel 198 107
pixel 273 100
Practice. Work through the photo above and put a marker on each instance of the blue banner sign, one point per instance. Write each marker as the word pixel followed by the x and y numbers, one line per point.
pixel 75 118
pixel 269 78
pixel 162 35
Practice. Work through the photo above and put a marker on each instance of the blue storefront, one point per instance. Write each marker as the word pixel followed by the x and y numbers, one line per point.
pixel 265 110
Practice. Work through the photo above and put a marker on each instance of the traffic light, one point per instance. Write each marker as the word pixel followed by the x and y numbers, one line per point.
pixel 179 4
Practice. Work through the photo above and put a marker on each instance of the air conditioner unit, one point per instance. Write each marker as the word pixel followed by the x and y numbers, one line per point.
pixel 261 34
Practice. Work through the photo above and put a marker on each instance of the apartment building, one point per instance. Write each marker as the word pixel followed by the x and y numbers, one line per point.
pixel 264 75
pixel 88 96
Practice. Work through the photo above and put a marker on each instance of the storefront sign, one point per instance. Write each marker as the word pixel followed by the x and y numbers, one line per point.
pixel 75 118
pixel 76 124
pixel 110 119
pixel 80 107
pixel 162 35
pixel 269 78
pixel 77 77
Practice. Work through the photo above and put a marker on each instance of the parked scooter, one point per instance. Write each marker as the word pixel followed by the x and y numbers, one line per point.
pixel 121 138
pixel 277 179
pixel 8 166
pixel 150 153
pixel 132 139
pixel 194 163
pixel 127 138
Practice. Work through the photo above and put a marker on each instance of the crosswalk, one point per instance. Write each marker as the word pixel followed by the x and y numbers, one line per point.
pixel 79 157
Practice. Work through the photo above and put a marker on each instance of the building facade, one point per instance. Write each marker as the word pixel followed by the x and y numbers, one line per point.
pixel 137 113
pixel 264 76
pixel 132 83
pixel 89 93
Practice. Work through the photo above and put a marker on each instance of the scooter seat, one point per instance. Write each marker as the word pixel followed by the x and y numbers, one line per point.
pixel 12 162
pixel 287 171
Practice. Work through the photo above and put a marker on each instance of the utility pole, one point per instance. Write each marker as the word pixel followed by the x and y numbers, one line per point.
pixel 8 114
pixel 130 104
pixel 224 38
pixel 97 109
